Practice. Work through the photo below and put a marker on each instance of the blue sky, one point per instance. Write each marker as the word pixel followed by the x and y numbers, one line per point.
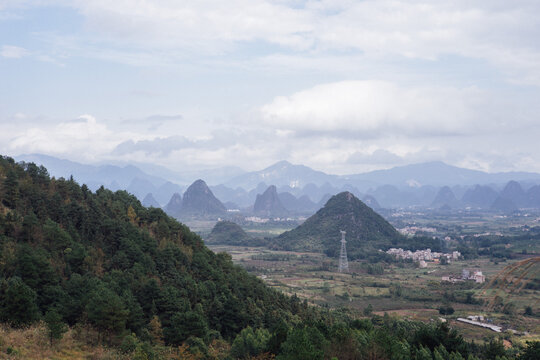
pixel 342 86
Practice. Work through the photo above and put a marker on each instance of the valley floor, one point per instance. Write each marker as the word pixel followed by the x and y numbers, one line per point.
pixel 401 289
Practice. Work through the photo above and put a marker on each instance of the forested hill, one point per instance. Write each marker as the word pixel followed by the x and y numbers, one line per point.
pixel 321 232
pixel 105 260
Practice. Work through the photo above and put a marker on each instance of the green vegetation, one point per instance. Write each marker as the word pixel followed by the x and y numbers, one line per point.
pixel 144 286
pixel 500 247
pixel 402 289
pixel 274 257
pixel 366 230
pixel 102 260
pixel 229 233
pixel 55 326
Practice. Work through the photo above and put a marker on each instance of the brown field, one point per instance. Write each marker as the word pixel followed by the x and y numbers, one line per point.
pixel 32 343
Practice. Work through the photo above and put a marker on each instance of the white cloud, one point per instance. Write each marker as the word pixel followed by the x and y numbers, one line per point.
pixel 210 26
pixel 501 33
pixel 84 137
pixel 317 33
pixel 375 108
pixel 417 109
pixel 13 52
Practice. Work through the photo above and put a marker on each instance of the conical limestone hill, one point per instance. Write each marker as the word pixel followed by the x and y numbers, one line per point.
pixel 321 232
pixel 199 200
pixel 269 204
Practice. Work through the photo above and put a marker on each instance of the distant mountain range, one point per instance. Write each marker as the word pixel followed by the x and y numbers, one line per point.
pixel 282 173
pixel 404 186
pixel 302 190
pixel 136 179
pixel 93 176
pixel 285 174
pixel 438 173
pixel 512 197
pixel 114 177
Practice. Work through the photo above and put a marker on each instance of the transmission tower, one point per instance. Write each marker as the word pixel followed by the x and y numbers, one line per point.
pixel 343 263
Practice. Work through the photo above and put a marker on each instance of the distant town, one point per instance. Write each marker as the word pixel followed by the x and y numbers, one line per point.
pixel 423 255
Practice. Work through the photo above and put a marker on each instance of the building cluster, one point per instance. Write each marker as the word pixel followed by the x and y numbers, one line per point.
pixel 259 220
pixel 422 255
pixel 466 275
pixel 412 230
pixel 497 233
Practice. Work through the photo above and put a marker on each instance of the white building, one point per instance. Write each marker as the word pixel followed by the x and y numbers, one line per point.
pixel 479 277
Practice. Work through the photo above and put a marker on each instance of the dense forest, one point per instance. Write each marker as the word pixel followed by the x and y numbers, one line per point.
pixel 144 283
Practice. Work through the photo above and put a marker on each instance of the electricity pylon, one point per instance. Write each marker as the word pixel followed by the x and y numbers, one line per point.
pixel 343 262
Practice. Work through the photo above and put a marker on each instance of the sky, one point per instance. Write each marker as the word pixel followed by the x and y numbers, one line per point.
pixel 338 85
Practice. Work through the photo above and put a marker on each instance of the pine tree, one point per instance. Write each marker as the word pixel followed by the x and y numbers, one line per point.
pixel 55 326
pixel 11 190
pixel 18 303
pixel 107 311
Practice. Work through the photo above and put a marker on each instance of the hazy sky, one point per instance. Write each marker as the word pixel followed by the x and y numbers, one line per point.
pixel 341 86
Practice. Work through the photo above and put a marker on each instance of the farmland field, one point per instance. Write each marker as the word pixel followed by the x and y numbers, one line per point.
pixel 401 289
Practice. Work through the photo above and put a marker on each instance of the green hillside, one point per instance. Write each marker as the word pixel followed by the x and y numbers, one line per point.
pixel 104 260
pixel 229 233
pixel 321 232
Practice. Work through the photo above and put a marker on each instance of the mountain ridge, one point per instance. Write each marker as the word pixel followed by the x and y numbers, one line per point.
pixel 401 186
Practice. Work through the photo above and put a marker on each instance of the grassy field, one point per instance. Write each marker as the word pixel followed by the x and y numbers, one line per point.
pixel 402 289
pixel 33 343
